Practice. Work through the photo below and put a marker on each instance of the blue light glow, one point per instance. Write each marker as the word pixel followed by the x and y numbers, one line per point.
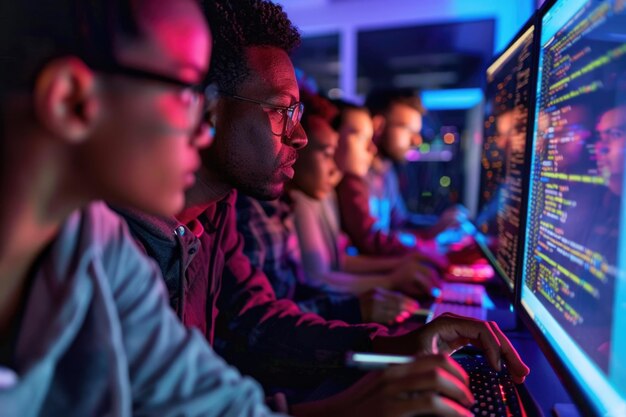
pixel 458 99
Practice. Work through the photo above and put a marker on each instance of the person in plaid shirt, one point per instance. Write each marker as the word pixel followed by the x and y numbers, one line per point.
pixel 271 244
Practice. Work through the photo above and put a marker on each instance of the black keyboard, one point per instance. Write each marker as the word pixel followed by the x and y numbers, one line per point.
pixel 496 394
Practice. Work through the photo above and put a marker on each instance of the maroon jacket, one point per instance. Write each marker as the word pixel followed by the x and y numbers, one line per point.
pixel 357 223
pixel 213 287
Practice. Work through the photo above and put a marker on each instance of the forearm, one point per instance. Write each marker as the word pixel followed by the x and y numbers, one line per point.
pixel 357 283
pixel 322 408
pixel 393 345
pixel 333 306
pixel 361 264
pixel 280 348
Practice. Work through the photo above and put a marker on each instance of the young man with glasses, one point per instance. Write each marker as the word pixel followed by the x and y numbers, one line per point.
pixel 98 101
pixel 213 286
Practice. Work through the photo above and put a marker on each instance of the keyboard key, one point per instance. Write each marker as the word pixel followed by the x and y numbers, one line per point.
pixel 464 310
pixel 495 392
pixel 462 293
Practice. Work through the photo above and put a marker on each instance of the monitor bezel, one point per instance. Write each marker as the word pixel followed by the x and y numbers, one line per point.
pixel 511 293
pixel 576 391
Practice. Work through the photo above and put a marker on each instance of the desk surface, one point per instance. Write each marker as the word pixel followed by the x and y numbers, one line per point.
pixel 542 383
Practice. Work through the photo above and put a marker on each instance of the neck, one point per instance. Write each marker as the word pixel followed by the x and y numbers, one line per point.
pixel 378 163
pixel 207 190
pixel 35 202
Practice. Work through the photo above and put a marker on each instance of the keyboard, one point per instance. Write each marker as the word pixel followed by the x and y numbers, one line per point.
pixel 496 394
pixel 477 272
pixel 465 310
pixel 462 293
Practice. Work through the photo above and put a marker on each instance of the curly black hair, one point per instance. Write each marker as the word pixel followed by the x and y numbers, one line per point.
pixel 238 24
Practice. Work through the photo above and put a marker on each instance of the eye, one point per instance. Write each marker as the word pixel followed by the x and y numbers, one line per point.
pixel 289 111
pixel 616 134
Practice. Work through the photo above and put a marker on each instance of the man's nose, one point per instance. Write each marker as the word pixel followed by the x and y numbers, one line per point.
pixel 298 139
pixel 372 148
pixel 416 139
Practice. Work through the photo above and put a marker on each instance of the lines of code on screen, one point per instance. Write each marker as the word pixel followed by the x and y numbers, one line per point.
pixel 577 175
pixel 502 162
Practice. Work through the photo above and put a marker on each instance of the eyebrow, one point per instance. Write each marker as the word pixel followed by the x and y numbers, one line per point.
pixel 291 97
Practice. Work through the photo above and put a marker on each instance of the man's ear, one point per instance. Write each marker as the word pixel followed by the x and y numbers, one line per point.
pixel 65 99
pixel 378 122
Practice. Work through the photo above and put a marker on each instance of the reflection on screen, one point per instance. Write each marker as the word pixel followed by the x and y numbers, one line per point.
pixel 573 280
pixel 502 162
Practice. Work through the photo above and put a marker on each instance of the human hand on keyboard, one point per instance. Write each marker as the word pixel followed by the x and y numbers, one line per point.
pixel 449 333
pixel 431 258
pixel 454 216
pixel 384 306
pixel 415 279
pixel 452 332
pixel 433 385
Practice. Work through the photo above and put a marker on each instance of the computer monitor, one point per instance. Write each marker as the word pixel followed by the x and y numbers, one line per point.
pixel 573 291
pixel 503 163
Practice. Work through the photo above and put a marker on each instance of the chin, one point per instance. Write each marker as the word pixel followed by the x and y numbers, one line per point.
pixel 264 192
pixel 166 207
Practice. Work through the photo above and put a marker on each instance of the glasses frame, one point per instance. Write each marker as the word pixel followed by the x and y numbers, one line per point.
pixel 197 89
pixel 119 69
pixel 606 133
pixel 282 110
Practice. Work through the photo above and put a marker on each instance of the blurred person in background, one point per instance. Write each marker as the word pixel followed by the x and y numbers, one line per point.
pixel 355 154
pixel 397 121
pixel 255 111
pixel 317 221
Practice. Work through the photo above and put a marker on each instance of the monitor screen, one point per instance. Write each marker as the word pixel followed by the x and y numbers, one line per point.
pixel 574 281
pixel 503 155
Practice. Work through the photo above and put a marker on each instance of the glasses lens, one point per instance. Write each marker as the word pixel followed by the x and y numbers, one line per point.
pixel 294 115
pixel 189 97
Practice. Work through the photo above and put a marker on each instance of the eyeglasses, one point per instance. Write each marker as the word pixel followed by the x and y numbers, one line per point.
pixel 191 94
pixel 290 116
pixel 96 39
pixel 612 134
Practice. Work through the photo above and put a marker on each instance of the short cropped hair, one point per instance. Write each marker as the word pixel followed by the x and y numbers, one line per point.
pixel 237 25
pixel 33 32
pixel 344 107
pixel 381 101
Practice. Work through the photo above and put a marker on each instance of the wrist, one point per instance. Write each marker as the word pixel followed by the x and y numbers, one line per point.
pixel 406 344
pixel 322 408
pixel 385 344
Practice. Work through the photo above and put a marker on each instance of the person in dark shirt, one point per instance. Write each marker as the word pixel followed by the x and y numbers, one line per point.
pixel 100 100
pixel 255 110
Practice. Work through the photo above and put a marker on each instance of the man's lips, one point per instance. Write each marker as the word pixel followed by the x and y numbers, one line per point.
pixel 288 164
